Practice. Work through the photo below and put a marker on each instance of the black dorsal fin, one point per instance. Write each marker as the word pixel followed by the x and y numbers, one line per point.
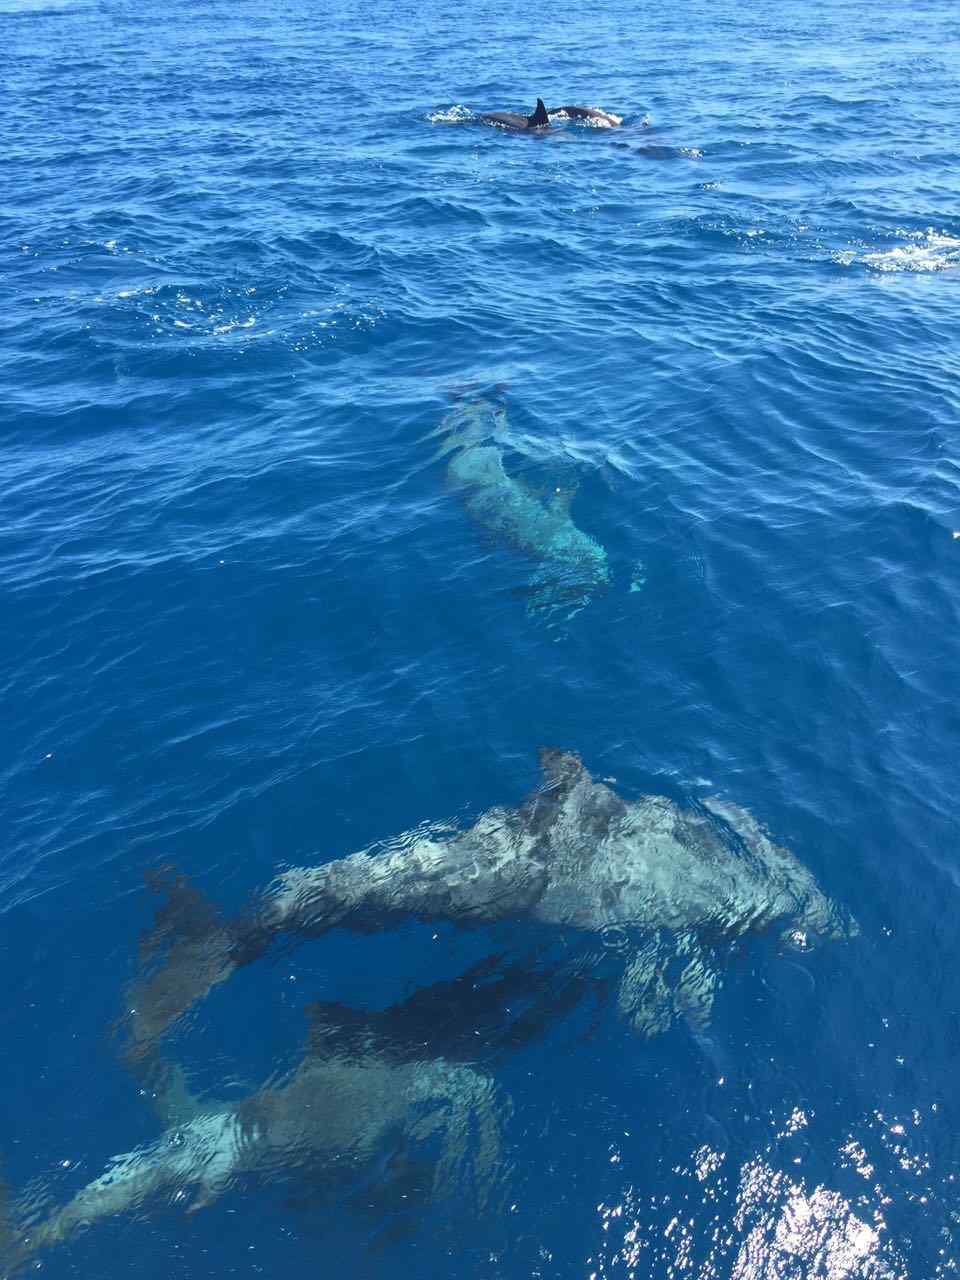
pixel 539 117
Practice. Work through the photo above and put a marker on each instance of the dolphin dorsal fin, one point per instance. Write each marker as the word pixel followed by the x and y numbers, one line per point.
pixel 539 117
pixel 560 768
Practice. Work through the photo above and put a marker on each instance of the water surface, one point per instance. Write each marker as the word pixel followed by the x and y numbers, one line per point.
pixel 250 257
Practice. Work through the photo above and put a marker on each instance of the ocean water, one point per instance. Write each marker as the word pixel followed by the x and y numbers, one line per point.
pixel 253 259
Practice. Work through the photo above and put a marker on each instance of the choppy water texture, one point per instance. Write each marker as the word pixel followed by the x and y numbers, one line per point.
pixel 253 258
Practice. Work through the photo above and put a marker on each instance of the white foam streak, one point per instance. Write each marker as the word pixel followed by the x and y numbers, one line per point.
pixel 451 115
pixel 925 251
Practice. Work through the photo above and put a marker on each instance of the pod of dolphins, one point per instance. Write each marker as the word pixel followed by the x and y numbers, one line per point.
pixel 376 1095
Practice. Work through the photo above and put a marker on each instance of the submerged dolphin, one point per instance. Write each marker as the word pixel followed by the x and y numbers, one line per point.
pixel 573 566
pixel 674 885
pixel 360 1104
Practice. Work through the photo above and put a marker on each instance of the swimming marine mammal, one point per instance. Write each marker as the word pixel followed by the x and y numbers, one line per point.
pixel 538 118
pixel 572 566
pixel 365 1101
pixel 677 886
pixel 596 115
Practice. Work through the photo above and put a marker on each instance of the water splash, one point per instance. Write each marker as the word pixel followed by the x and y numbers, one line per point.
pixel 925 251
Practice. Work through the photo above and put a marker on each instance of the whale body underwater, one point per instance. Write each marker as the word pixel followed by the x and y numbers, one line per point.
pixel 572 566
pixel 677 885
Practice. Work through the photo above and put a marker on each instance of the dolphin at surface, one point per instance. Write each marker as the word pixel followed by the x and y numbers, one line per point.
pixel 674 886
pixel 363 1101
pixel 538 119
pixel 572 566
pixel 596 115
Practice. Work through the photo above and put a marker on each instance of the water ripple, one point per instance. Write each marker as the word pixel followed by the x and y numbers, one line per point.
pixel 249 263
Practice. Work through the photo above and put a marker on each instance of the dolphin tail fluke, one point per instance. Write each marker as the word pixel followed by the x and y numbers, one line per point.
pixel 540 119
pixel 189 950
pixel 556 594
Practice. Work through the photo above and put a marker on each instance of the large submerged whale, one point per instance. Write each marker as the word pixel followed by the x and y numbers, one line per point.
pixel 675 886
pixel 367 1106
pixel 571 565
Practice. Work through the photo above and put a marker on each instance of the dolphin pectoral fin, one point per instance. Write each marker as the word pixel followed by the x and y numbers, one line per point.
pixel 208 1192
pixel 644 996
pixel 401 1185
pixel 667 980
pixel 697 987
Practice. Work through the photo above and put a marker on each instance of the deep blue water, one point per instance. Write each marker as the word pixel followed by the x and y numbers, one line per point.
pixel 251 256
